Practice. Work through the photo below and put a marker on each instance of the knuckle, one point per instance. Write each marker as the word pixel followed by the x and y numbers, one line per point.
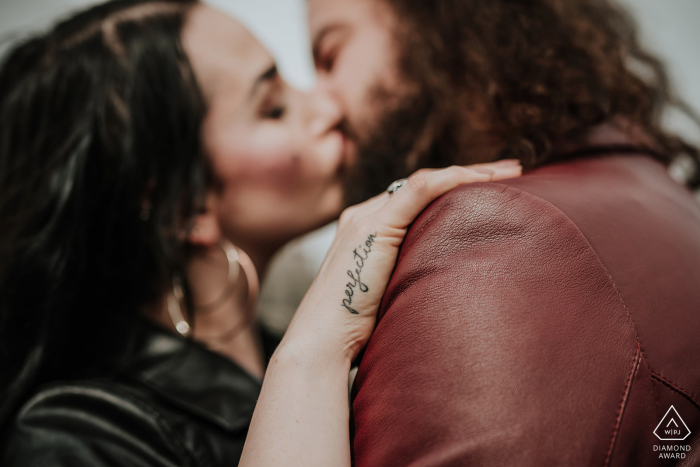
pixel 418 182
pixel 455 171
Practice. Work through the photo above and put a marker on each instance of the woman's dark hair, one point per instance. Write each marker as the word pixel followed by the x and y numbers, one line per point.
pixel 100 175
pixel 515 78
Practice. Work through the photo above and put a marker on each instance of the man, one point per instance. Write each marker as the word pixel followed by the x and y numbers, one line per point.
pixel 549 320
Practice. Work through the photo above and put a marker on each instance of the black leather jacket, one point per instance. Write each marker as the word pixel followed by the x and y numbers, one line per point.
pixel 177 404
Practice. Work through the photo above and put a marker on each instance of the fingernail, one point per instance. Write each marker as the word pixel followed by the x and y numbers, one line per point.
pixel 484 171
pixel 508 162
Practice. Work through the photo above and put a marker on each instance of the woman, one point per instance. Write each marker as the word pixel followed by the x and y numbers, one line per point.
pixel 138 141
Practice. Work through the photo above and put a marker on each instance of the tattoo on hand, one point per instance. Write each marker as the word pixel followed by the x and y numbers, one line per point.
pixel 360 255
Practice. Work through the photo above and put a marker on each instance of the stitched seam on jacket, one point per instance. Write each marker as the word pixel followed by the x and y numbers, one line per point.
pixel 172 439
pixel 623 404
pixel 518 193
pixel 656 397
pixel 675 388
pixel 590 247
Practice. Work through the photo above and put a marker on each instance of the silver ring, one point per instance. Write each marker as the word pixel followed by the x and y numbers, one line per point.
pixel 396 186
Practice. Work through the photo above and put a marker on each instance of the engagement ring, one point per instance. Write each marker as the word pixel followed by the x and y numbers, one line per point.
pixel 394 187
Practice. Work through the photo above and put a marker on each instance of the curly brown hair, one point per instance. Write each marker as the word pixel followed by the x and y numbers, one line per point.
pixel 517 78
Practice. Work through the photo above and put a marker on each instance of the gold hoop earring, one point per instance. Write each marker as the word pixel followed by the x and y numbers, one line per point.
pixel 175 310
pixel 234 267
pixel 237 260
pixel 248 268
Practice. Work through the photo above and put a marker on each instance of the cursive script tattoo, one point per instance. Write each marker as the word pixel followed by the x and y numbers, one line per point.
pixel 360 255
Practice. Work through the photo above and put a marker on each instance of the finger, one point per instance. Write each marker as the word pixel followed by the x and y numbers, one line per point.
pixel 486 165
pixel 505 172
pixel 498 164
pixel 405 205
pixel 500 170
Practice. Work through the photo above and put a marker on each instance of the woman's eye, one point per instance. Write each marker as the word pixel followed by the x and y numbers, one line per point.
pixel 274 113
pixel 327 60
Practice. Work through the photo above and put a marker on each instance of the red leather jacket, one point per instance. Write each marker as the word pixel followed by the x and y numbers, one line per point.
pixel 552 319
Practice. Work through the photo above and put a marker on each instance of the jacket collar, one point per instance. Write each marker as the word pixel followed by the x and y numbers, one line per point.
pixel 616 133
pixel 193 378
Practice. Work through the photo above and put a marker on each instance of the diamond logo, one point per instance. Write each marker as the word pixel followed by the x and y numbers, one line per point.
pixel 672 427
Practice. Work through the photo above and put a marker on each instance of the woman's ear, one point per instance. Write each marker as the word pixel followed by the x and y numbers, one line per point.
pixel 205 231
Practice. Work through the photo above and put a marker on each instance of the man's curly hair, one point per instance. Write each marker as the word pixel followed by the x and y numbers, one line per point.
pixel 517 78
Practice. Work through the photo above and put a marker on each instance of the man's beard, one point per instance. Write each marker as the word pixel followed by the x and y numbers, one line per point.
pixel 389 151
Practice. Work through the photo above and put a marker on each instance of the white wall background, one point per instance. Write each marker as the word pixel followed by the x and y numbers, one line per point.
pixel 669 27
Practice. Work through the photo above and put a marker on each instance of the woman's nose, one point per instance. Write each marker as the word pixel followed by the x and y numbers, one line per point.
pixel 324 113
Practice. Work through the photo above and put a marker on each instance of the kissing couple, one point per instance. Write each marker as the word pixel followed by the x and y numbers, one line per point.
pixel 152 160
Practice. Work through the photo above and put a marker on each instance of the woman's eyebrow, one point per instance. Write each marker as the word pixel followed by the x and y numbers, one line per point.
pixel 267 75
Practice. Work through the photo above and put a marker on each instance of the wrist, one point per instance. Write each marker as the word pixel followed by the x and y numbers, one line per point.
pixel 312 355
pixel 324 333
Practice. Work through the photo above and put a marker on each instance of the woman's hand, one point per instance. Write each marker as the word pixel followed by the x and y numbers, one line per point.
pixel 337 315
pixel 302 415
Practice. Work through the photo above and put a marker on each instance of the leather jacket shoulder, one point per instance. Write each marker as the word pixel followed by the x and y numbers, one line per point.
pixel 550 319
pixel 175 404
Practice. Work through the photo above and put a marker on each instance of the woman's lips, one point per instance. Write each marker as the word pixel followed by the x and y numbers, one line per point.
pixel 349 151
